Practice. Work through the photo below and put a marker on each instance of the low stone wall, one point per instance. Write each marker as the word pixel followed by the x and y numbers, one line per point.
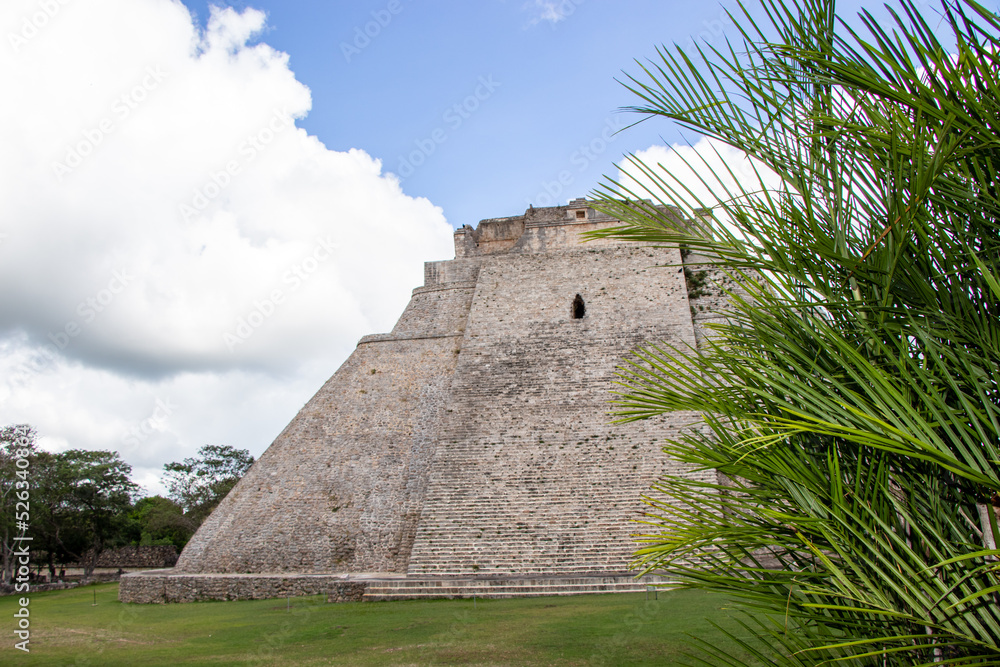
pixel 161 586
pixel 96 578
pixel 11 589
pixel 159 556
pixel 347 591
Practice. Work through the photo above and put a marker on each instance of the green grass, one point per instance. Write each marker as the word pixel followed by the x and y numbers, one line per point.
pixel 624 629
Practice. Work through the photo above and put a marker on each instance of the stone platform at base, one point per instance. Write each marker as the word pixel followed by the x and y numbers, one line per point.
pixel 507 587
pixel 161 586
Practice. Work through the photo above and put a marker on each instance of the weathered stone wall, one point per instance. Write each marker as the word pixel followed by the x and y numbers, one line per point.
pixel 529 477
pixel 148 556
pixel 169 586
pixel 340 490
pixel 708 288
pixel 474 437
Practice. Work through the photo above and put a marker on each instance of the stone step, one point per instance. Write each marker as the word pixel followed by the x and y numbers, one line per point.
pixel 593 564
pixel 465 587
pixel 464 571
pixel 521 540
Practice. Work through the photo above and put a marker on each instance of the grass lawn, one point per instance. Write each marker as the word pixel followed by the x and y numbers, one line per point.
pixel 618 629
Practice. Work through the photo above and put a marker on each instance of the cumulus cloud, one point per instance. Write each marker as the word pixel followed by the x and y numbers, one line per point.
pixel 167 231
pixel 552 11
pixel 700 175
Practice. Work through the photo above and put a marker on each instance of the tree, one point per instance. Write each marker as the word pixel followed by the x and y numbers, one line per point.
pixel 53 519
pixel 158 520
pixel 851 402
pixel 77 501
pixel 17 442
pixel 92 495
pixel 198 484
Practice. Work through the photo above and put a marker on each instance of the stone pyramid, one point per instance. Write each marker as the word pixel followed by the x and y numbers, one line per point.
pixel 471 441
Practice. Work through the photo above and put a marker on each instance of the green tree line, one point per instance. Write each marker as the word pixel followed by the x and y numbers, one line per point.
pixel 79 503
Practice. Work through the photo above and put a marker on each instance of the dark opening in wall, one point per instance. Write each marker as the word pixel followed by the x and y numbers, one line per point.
pixel 581 215
pixel 579 310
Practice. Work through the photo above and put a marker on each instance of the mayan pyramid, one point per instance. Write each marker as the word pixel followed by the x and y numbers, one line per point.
pixel 473 441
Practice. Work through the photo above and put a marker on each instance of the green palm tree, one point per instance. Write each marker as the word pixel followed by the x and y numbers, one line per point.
pixel 850 400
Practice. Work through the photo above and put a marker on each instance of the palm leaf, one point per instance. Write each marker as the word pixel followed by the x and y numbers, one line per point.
pixel 849 402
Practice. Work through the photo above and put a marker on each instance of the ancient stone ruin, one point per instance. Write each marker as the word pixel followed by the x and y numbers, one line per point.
pixel 470 448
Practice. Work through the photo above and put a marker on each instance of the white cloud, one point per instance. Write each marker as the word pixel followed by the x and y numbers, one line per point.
pixel 552 11
pixel 158 203
pixel 701 175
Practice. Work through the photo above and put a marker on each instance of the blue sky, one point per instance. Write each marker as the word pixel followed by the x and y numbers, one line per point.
pixel 555 65
pixel 202 209
pixel 556 97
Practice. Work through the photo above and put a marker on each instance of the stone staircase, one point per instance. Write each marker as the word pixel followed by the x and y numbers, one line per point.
pixel 521 537
pixel 529 478
pixel 550 509
pixel 507 587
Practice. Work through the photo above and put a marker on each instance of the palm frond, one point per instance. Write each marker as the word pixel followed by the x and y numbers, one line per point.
pixel 850 399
